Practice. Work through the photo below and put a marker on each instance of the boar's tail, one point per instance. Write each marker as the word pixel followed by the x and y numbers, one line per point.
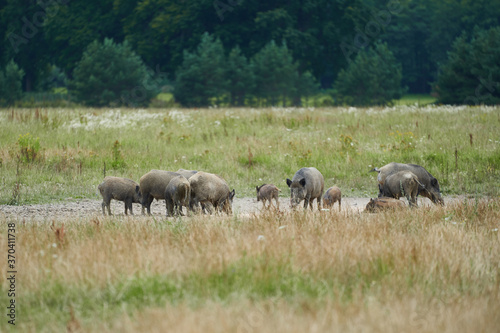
pixel 375 169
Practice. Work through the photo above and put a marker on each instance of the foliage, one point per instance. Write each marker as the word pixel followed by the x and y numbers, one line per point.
pixel 472 73
pixel 373 78
pixel 118 161
pixel 10 83
pixel 111 74
pixel 241 77
pixel 29 148
pixel 202 75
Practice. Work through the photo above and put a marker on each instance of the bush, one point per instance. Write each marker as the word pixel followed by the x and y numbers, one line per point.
pixel 373 78
pixel 472 73
pixel 11 83
pixel 202 75
pixel 112 74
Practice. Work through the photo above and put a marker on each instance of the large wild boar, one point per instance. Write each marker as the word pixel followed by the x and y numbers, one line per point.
pixel 402 183
pixel 153 186
pixel 177 194
pixel 332 195
pixel 121 189
pixel 307 184
pixel 383 203
pixel 268 192
pixel 212 192
pixel 430 183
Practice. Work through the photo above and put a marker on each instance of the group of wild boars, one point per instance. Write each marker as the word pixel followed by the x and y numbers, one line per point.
pixel 212 192
pixel 410 180
pixel 121 189
pixel 153 185
pixel 268 192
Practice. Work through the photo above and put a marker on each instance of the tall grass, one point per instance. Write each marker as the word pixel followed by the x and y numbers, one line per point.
pixel 427 269
pixel 459 145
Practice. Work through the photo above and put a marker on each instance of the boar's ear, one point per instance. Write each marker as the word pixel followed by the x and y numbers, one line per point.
pixel 288 182
pixel 137 189
pixel 303 182
pixel 231 194
pixel 434 181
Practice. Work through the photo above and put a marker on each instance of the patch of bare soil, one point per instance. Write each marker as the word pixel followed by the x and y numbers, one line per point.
pixel 75 210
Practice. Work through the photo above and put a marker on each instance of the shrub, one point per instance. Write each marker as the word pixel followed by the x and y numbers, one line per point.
pixel 472 73
pixel 112 74
pixel 29 148
pixel 11 83
pixel 373 78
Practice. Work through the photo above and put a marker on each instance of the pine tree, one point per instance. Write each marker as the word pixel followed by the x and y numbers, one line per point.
pixel 11 83
pixel 472 73
pixel 202 75
pixel 112 74
pixel 276 74
pixel 240 76
pixel 373 78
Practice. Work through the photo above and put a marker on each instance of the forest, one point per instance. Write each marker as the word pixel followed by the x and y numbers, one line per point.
pixel 248 52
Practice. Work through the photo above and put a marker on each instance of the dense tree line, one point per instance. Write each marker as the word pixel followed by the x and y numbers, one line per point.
pixel 322 39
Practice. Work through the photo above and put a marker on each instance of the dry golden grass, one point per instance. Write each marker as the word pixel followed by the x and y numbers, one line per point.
pixel 427 269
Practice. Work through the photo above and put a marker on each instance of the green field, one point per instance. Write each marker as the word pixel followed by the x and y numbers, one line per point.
pixel 429 269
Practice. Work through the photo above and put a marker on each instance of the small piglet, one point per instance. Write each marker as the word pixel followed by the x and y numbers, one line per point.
pixel 267 192
pixel 332 195
pixel 121 189
pixel 383 203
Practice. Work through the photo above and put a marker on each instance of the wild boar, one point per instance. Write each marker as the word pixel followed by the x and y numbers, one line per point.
pixel 430 183
pixel 307 184
pixel 332 195
pixel 268 192
pixel 212 192
pixel 383 203
pixel 153 185
pixel 121 189
pixel 402 183
pixel 187 173
pixel 177 194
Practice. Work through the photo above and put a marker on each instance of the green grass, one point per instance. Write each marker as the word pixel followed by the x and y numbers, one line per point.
pixel 247 147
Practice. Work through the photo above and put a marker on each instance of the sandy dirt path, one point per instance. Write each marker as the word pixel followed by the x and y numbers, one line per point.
pixel 85 208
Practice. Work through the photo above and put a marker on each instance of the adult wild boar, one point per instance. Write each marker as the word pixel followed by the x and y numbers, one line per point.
pixel 212 192
pixel 307 184
pixel 177 194
pixel 430 183
pixel 402 183
pixel 121 189
pixel 332 195
pixel 153 185
pixel 268 192
pixel 383 203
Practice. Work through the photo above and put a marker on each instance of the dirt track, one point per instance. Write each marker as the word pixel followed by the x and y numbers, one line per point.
pixel 88 208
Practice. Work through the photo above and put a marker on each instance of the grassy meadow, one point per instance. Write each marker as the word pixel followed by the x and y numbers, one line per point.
pixel 429 269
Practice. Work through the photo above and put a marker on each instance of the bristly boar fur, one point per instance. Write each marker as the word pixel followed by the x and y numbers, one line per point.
pixel 268 192
pixel 332 195
pixel 212 192
pixel 383 203
pixel 307 184
pixel 121 189
pixel 187 173
pixel 177 194
pixel 153 185
pixel 402 183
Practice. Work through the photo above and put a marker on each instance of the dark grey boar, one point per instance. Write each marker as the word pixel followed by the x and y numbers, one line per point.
pixel 332 195
pixel 430 183
pixel 212 192
pixel 268 192
pixel 153 185
pixel 307 184
pixel 177 194
pixel 121 189
pixel 383 203
pixel 187 173
pixel 402 183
